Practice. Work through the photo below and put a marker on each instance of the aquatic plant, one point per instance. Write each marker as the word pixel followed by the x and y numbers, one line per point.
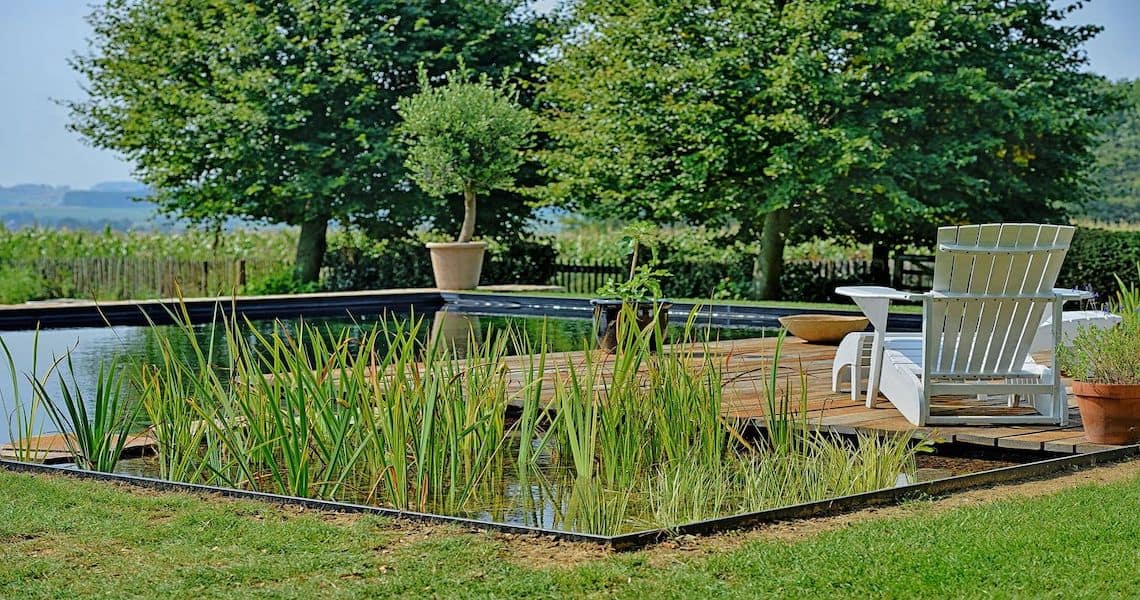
pixel 598 443
pixel 95 439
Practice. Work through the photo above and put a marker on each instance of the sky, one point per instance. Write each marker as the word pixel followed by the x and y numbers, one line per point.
pixel 37 37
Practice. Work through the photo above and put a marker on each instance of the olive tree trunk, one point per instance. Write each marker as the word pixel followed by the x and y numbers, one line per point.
pixel 769 264
pixel 468 228
pixel 311 249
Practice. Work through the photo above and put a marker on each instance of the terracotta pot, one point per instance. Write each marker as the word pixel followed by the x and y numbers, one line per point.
pixel 456 265
pixel 1109 412
pixel 608 312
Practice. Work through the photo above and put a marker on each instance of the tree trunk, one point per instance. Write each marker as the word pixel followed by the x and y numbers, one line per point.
pixel 468 228
pixel 880 264
pixel 311 249
pixel 769 263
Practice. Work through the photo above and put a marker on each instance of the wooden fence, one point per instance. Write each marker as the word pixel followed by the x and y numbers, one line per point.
pixel 908 272
pixel 585 278
pixel 111 278
pixel 836 269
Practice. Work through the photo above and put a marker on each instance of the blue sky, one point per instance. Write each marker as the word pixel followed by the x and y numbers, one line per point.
pixel 38 36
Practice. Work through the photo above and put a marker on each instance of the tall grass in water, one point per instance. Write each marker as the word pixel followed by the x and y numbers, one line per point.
pixel 608 443
pixel 311 413
pixel 24 425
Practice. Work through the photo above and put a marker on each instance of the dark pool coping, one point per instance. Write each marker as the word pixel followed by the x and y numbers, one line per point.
pixel 55 315
pixel 638 539
pixel 62 314
pixel 717 315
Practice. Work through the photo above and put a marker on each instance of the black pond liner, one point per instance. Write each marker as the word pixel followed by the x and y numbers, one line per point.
pixel 637 539
pixel 204 310
pixel 716 315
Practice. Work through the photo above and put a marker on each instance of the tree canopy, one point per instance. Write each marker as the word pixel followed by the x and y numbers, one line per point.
pixel 876 120
pixel 282 110
pixel 463 137
pixel 1118 160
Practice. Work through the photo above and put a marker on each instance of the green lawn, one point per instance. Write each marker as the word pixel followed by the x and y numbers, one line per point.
pixel 62 538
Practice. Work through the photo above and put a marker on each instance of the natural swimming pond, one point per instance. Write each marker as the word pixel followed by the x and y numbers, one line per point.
pixel 506 420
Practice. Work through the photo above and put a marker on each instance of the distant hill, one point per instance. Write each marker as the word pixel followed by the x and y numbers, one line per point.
pixel 106 199
pixel 31 194
pixel 110 204
pixel 121 186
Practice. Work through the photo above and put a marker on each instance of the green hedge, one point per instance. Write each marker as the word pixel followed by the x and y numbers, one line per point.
pixel 359 264
pixel 1096 256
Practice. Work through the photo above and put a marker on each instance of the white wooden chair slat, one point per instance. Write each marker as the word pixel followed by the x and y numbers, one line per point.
pixel 973 312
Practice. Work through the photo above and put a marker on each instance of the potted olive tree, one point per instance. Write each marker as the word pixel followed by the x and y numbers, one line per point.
pixel 1105 367
pixel 462 137
pixel 638 296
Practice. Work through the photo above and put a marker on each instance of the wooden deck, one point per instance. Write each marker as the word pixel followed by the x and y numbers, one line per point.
pixel 747 364
pixel 837 413
pixel 52 448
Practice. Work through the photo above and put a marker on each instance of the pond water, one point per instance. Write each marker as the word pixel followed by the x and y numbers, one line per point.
pixel 34 353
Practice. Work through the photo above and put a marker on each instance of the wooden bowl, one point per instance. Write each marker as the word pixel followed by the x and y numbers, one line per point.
pixel 823 329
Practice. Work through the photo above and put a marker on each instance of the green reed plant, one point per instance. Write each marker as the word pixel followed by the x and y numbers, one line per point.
pixel 611 441
pixel 96 439
pixel 23 422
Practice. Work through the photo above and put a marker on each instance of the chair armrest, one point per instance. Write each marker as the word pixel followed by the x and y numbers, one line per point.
pixel 1068 295
pixel 876 291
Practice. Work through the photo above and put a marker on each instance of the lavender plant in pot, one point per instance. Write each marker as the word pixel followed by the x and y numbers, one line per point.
pixel 639 296
pixel 463 137
pixel 1105 367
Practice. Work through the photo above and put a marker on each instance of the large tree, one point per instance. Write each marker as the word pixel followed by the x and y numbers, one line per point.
pixel 872 119
pixel 282 110
pixel 1118 160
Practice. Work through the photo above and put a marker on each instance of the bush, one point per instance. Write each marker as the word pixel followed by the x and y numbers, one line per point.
pixel 1096 256
pixel 355 262
pixel 282 282
pixel 519 261
pixel 802 282
pixel 20 285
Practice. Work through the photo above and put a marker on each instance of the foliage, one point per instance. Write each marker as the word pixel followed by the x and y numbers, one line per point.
pixel 281 111
pixel 802 281
pixel 21 284
pixel 282 282
pixel 642 285
pixel 875 120
pixel 356 262
pixel 644 281
pixel 463 137
pixel 1097 256
pixel 1118 161
pixel 96 439
pixel 29 243
pixel 1108 355
pixel 58 263
pixel 380 415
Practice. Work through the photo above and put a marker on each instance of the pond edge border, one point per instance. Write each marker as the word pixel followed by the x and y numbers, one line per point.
pixel 638 539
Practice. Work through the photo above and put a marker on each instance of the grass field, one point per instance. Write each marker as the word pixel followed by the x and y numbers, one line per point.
pixel 1070 537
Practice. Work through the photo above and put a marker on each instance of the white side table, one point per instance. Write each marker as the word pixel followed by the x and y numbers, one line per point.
pixel 875 301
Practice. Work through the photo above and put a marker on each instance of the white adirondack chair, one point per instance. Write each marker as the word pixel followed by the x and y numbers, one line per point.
pixel 992 286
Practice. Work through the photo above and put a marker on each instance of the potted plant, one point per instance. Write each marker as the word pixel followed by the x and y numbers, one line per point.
pixel 466 138
pixel 1105 367
pixel 639 295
